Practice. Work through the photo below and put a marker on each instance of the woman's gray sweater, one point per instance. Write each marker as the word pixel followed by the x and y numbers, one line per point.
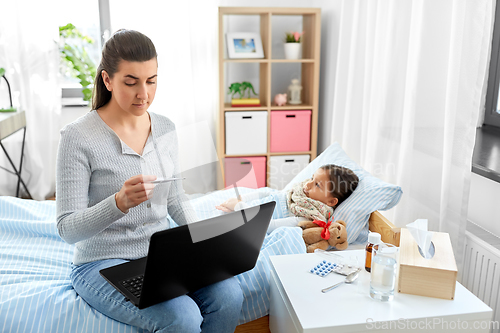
pixel 92 165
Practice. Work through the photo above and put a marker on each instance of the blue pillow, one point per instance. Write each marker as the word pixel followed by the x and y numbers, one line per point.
pixel 371 194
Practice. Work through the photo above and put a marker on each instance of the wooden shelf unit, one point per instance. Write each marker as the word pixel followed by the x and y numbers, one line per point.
pixel 309 66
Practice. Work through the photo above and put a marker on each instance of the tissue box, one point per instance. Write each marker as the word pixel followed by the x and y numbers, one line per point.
pixel 434 277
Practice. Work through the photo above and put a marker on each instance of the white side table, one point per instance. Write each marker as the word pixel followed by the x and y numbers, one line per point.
pixel 10 123
pixel 298 305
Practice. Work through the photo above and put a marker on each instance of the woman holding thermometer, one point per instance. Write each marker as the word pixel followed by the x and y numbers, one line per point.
pixel 117 181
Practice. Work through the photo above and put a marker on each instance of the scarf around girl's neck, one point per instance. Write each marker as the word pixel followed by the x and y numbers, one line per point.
pixel 302 206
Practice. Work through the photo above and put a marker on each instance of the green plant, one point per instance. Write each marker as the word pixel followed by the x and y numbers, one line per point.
pixel 76 58
pixel 293 37
pixel 241 88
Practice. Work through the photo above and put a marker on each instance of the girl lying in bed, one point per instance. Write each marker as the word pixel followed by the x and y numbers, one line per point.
pixel 312 199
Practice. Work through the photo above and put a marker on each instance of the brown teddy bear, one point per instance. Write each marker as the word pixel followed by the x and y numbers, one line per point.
pixel 321 235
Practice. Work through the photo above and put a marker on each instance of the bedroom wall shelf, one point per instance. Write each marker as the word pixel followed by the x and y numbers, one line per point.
pixel 271 74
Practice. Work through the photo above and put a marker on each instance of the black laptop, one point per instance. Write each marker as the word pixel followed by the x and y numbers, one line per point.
pixel 189 257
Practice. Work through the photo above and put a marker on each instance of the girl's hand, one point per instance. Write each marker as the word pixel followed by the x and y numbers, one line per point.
pixel 228 205
pixel 134 191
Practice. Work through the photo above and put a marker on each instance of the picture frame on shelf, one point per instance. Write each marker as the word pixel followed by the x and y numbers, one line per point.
pixel 244 45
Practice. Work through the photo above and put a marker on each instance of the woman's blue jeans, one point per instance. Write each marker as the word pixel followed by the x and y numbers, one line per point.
pixel 215 308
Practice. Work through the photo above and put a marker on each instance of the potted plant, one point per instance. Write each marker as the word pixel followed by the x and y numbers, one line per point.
pixel 76 58
pixel 293 45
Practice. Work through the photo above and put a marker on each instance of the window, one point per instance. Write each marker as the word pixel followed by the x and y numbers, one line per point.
pixel 492 107
pixel 91 19
pixel 485 160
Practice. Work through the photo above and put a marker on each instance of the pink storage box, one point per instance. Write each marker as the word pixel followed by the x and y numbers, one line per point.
pixel 245 172
pixel 290 131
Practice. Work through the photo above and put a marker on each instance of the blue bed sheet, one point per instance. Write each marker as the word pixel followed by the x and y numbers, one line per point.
pixel 36 294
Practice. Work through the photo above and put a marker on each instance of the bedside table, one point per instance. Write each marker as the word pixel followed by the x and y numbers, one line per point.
pixel 299 306
pixel 10 123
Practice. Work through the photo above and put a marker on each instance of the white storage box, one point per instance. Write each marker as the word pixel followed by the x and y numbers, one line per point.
pixel 246 132
pixel 283 168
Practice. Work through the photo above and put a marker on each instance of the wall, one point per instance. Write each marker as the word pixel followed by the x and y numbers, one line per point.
pixel 484 208
pixel 330 23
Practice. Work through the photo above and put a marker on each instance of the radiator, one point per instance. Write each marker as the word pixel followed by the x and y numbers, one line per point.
pixel 481 273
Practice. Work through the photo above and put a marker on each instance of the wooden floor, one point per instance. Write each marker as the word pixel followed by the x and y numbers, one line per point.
pixel 260 325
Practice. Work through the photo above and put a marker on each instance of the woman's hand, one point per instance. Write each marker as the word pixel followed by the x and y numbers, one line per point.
pixel 228 205
pixel 134 191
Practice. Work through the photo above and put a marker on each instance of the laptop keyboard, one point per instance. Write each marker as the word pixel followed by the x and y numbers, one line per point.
pixel 134 285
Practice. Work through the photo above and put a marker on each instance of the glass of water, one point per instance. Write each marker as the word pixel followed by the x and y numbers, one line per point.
pixel 383 272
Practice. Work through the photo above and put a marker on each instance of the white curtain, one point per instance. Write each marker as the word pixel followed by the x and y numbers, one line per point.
pixel 408 87
pixel 185 37
pixel 29 53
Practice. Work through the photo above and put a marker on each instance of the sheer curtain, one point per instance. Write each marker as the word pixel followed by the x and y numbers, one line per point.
pixel 185 37
pixel 30 55
pixel 409 80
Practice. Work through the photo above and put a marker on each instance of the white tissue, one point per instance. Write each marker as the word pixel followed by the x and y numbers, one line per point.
pixel 422 236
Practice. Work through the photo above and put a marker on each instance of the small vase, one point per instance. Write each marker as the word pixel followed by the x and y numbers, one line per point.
pixel 293 50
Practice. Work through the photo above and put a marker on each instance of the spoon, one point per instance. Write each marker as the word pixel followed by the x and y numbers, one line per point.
pixel 349 278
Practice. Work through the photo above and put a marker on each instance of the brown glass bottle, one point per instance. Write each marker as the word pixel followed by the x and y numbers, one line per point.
pixel 373 239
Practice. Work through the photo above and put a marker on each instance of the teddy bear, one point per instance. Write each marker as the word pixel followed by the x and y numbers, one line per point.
pixel 321 235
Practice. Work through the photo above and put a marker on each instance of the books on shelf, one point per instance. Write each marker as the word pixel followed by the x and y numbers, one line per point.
pixel 241 102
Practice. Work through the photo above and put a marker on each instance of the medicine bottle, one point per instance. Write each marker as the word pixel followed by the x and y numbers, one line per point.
pixel 373 239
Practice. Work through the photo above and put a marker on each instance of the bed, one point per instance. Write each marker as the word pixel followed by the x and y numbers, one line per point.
pixel 36 293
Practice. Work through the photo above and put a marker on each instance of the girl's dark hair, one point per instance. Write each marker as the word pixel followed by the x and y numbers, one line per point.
pixel 126 45
pixel 343 181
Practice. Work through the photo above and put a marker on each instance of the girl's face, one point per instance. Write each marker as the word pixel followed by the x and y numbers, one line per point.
pixel 318 188
pixel 133 87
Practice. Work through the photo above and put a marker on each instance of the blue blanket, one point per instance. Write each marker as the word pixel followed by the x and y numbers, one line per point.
pixel 36 294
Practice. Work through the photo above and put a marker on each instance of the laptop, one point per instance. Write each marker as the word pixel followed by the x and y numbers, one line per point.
pixel 189 257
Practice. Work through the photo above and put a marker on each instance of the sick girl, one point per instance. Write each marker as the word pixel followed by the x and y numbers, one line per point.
pixel 312 199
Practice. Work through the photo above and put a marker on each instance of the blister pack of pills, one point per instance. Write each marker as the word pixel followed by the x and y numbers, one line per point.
pixel 325 267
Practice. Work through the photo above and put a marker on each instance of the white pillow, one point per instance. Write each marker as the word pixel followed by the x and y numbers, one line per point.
pixel 371 194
